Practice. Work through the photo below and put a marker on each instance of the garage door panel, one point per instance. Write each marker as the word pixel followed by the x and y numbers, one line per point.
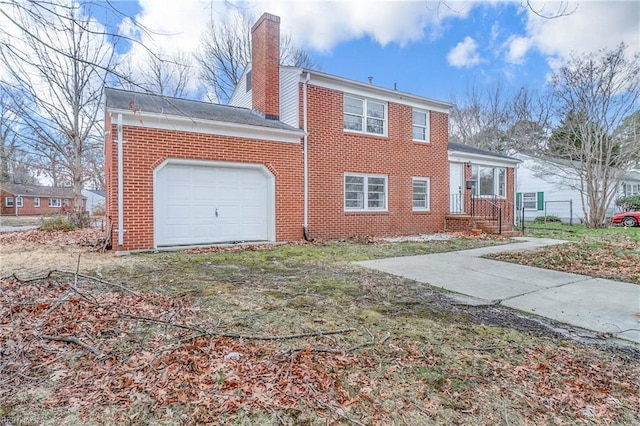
pixel 188 196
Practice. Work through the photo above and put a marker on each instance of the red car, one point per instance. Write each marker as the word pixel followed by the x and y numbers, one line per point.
pixel 627 218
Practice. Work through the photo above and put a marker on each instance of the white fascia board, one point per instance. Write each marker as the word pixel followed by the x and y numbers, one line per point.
pixel 487 160
pixel 375 92
pixel 209 127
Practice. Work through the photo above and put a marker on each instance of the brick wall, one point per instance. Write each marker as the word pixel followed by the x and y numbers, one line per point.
pixel 28 206
pixel 265 65
pixel 145 149
pixel 332 152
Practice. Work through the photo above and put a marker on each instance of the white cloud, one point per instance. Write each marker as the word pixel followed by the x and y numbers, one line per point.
pixel 465 54
pixel 517 48
pixel 588 27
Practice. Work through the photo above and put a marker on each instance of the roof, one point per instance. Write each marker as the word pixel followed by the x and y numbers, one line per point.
pixel 118 99
pixel 468 149
pixel 98 192
pixel 19 189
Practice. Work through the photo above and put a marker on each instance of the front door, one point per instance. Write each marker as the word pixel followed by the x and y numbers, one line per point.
pixel 456 188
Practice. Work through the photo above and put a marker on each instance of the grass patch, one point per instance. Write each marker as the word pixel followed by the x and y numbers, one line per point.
pixel 611 253
pixel 418 361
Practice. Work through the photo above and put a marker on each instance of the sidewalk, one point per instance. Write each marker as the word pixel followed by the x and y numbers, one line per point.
pixel 595 304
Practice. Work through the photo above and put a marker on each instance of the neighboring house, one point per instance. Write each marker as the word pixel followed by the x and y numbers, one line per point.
pixel 95 200
pixel 30 200
pixel 297 153
pixel 551 188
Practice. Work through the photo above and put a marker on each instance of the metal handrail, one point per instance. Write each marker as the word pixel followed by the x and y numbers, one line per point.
pixel 487 209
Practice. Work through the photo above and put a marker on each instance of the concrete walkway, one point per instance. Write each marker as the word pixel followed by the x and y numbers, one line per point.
pixel 595 304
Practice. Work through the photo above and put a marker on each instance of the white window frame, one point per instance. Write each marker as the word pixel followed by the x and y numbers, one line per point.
pixel 427 201
pixel 499 180
pixel 631 189
pixel 55 202
pixel 365 193
pixel 424 128
pixel 526 198
pixel 364 116
pixel 36 201
pixel 65 202
pixel 8 201
pixel 19 202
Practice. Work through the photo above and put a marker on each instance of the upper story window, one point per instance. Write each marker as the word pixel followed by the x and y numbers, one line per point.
pixel 365 192
pixel 420 125
pixel 365 116
pixel 489 181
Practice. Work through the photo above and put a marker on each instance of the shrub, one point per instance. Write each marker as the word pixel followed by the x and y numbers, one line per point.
pixel 628 203
pixel 546 219
pixel 57 223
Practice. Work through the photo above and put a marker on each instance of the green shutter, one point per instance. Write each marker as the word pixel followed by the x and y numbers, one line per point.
pixel 540 200
pixel 518 200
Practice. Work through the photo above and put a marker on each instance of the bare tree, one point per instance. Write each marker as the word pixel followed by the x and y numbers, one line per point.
pixel 595 94
pixel 160 73
pixel 225 51
pixel 58 69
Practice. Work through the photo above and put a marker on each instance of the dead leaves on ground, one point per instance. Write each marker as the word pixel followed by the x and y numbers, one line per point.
pixel 95 349
pixel 618 260
pixel 85 237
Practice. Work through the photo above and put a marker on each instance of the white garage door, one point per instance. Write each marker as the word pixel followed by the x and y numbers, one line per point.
pixel 200 204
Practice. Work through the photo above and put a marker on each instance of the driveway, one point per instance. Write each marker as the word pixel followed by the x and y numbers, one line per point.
pixel 596 304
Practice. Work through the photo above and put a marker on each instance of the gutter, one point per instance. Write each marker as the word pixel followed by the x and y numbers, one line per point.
pixel 305 154
pixel 119 141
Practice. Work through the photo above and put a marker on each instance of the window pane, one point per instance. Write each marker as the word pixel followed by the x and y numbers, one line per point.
pixel 420 118
pixel 354 192
pixel 353 106
pixel 487 184
pixel 420 198
pixel 375 110
pixel 376 192
pixel 419 133
pixel 530 200
pixel 352 122
pixel 375 126
pixel 502 182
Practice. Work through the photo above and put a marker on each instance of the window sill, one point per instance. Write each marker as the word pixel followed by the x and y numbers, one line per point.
pixel 421 211
pixel 375 212
pixel 422 142
pixel 367 135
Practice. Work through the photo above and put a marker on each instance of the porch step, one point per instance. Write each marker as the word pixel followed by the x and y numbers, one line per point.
pixel 490 228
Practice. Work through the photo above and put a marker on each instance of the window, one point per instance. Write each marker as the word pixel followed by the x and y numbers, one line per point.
pixel 18 201
pixel 420 193
pixel 54 202
pixel 364 115
pixel 36 202
pixel 8 201
pixel 489 181
pixel 530 200
pixel 365 192
pixel 65 202
pixel 420 126
pixel 631 189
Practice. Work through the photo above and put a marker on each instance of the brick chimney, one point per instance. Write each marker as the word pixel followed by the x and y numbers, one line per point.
pixel 265 66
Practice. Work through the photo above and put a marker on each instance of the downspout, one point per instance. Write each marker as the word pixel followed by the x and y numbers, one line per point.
pixel 120 184
pixel 305 154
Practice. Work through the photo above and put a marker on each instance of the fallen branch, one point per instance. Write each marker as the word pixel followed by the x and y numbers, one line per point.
pixel 74 274
pixel 241 336
pixel 75 340
pixel 487 348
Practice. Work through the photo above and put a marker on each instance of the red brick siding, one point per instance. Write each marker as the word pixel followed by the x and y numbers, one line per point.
pixel 28 206
pixel 265 69
pixel 332 152
pixel 145 149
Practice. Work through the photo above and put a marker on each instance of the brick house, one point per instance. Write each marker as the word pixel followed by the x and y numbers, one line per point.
pixel 296 154
pixel 30 200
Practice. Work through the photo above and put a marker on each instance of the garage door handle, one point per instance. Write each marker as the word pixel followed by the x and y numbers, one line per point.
pixel 216 212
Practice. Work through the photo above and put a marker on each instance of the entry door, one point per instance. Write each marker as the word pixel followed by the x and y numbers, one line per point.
pixel 456 188
pixel 203 204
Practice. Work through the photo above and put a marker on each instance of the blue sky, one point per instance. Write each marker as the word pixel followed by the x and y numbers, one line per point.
pixel 432 49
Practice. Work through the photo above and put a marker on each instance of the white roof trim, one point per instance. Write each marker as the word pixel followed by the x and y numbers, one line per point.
pixel 376 92
pixel 210 127
pixel 463 157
